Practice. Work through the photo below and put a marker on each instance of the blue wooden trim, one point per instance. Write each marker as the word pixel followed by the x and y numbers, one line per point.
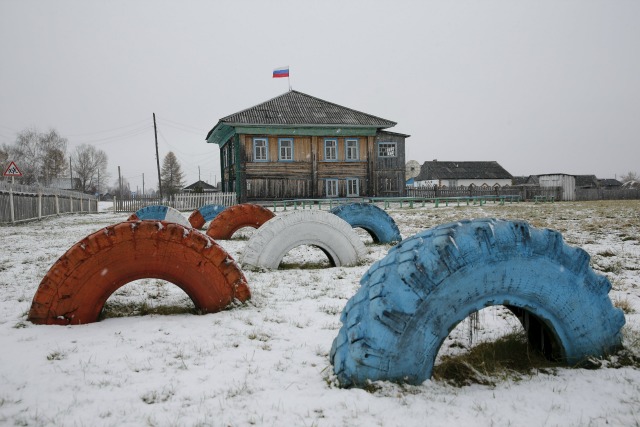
pixel 324 153
pixel 357 180
pixel 326 186
pixel 346 149
pixel 280 140
pixel 266 148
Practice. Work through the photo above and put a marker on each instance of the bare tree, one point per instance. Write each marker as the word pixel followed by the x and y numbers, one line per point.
pixel 89 166
pixel 629 176
pixel 41 156
pixel 171 174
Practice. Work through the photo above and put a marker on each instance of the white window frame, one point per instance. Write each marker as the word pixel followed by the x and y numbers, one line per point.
pixel 351 183
pixel 329 185
pixel 282 158
pixel 333 148
pixel 264 158
pixel 384 148
pixel 352 154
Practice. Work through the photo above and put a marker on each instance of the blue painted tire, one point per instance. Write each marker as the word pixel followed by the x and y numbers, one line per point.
pixel 160 213
pixel 411 299
pixel 375 221
pixel 204 214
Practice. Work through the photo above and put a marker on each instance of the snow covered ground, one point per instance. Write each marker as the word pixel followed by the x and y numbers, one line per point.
pixel 266 363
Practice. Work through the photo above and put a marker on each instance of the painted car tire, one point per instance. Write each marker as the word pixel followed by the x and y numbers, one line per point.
pixel 236 217
pixel 76 287
pixel 375 221
pixel 410 300
pixel 334 236
pixel 204 214
pixel 159 213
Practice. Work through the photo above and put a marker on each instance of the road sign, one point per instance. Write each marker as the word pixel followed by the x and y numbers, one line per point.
pixel 12 170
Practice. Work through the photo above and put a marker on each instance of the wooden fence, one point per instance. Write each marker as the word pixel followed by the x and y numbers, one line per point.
pixel 20 203
pixel 583 194
pixel 527 192
pixel 524 192
pixel 182 202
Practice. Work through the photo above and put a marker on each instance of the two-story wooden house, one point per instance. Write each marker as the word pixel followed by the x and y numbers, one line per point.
pixel 299 146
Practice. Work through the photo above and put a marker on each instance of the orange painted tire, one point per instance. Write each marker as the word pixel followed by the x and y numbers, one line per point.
pixel 204 214
pixel 76 287
pixel 236 217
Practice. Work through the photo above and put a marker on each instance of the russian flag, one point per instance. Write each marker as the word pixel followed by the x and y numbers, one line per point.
pixel 281 72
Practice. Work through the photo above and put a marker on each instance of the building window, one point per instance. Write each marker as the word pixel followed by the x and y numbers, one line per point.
pixel 260 149
pixel 353 187
pixel 351 149
pixel 285 149
pixel 331 186
pixel 331 149
pixel 387 149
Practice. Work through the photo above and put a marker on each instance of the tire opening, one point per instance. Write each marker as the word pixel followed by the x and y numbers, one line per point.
pixel 147 296
pixel 306 257
pixel 494 343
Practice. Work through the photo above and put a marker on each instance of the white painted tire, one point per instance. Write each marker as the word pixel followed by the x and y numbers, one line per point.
pixel 328 232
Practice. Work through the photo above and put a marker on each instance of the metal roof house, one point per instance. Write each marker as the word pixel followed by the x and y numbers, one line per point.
pixel 299 146
pixel 200 187
pixel 463 174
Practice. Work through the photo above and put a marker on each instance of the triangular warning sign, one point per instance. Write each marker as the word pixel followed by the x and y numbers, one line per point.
pixel 12 170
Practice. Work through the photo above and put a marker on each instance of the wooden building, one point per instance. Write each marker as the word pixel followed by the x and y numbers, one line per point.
pixel 299 146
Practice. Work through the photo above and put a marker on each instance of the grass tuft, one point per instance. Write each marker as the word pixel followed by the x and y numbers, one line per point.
pixel 509 357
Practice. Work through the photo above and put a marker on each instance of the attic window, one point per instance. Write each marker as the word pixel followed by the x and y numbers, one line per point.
pixel 387 149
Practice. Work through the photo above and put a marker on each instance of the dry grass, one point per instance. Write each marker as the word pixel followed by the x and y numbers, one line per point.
pixel 509 357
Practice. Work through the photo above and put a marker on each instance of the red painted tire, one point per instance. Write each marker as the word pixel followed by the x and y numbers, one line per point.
pixel 204 214
pixel 76 287
pixel 236 217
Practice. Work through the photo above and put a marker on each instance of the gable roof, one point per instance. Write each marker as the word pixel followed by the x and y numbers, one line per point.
pixel 462 170
pixel 200 184
pixel 586 181
pixel 297 108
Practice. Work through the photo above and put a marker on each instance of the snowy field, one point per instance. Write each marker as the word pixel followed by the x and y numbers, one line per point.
pixel 267 362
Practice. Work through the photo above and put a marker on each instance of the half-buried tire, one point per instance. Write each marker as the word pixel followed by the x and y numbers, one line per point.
pixel 236 217
pixel 334 236
pixel 76 287
pixel 159 213
pixel 375 221
pixel 204 214
pixel 410 300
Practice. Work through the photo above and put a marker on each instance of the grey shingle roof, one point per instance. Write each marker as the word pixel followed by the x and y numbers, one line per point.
pixel 462 170
pixel 297 108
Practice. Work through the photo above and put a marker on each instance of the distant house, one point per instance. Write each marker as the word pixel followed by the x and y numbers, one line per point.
pixel 462 174
pixel 586 181
pixel 525 180
pixel 609 183
pixel 200 187
pixel 299 146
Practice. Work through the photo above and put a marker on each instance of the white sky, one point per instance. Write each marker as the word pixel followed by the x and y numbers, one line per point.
pixel 540 87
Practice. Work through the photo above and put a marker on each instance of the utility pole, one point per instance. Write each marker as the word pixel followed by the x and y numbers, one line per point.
pixel 155 130
pixel 198 173
pixel 71 172
pixel 120 182
pixel 143 183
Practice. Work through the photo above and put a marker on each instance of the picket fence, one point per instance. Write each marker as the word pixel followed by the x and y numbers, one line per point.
pixel 20 203
pixel 182 201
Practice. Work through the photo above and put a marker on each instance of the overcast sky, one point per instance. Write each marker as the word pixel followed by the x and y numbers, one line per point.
pixel 539 86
